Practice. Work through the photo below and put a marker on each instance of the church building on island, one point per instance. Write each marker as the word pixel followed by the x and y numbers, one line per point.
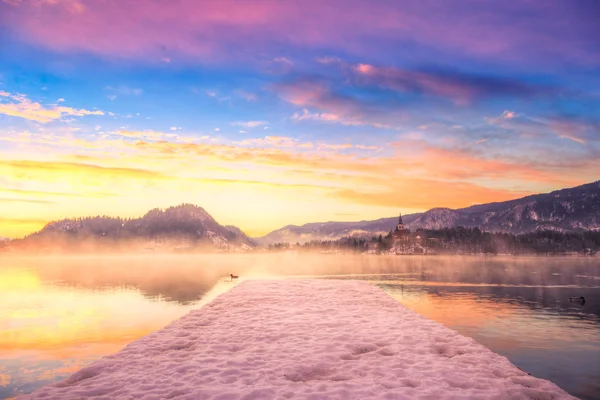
pixel 401 234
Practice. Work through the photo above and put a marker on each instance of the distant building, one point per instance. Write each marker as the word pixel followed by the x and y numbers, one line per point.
pixel 401 234
pixel 372 245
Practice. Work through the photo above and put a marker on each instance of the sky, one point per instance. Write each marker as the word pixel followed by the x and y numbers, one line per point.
pixel 268 113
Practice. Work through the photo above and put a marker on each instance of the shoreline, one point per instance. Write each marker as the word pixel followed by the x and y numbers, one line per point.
pixel 290 252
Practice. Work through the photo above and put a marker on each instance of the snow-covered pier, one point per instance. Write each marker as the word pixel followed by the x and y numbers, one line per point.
pixel 303 339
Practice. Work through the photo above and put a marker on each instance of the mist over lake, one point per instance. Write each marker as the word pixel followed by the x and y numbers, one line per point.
pixel 58 314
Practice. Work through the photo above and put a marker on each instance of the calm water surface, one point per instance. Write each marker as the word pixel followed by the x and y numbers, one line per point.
pixel 59 314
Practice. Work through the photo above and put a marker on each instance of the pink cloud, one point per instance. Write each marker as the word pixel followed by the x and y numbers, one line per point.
pixel 249 124
pixel 310 93
pixel 577 130
pixel 208 29
pixel 319 102
pixel 460 88
pixel 317 95
pixel 572 130
pixel 328 117
pixel 250 97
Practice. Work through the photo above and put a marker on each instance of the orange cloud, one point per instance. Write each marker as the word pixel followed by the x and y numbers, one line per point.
pixel 463 164
pixel 21 200
pixel 413 158
pixel 273 174
pixel 36 192
pixel 24 169
pixel 146 135
pixel 19 105
pixel 425 194
pixel 266 184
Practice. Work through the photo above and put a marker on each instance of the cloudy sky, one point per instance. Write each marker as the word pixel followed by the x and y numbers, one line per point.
pixel 269 113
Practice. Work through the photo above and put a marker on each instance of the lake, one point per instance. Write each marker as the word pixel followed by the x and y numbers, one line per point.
pixel 58 314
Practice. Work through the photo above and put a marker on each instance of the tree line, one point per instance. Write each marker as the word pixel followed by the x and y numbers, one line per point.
pixel 460 240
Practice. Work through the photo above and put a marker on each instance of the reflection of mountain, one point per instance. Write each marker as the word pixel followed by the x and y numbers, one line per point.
pixel 567 210
pixel 183 227
pixel 180 279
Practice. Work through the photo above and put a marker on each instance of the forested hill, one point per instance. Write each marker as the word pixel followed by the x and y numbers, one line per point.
pixel 176 228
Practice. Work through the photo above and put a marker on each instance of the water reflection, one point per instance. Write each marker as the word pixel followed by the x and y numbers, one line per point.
pixel 59 314
pixel 58 317
pixel 536 327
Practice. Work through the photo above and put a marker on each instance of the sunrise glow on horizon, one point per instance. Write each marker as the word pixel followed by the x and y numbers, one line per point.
pixel 269 113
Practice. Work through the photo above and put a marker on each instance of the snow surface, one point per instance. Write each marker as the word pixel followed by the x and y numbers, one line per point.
pixel 303 339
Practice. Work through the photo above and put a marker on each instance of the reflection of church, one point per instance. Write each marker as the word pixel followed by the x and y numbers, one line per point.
pixel 401 233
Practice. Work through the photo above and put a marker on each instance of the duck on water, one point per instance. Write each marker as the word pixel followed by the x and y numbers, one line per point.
pixel 579 300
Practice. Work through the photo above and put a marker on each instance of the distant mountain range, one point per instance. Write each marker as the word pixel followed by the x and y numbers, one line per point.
pixel 188 227
pixel 333 230
pixel 185 227
pixel 567 210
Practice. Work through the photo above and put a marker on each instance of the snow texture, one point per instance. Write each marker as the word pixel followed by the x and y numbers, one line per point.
pixel 302 339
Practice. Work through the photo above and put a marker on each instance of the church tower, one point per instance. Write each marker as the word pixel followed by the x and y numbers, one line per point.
pixel 401 232
pixel 400 223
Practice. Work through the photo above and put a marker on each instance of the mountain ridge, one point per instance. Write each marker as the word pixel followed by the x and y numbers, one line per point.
pixel 565 210
pixel 188 226
pixel 180 228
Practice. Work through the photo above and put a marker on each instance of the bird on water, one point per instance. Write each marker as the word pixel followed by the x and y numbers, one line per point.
pixel 232 276
pixel 579 300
